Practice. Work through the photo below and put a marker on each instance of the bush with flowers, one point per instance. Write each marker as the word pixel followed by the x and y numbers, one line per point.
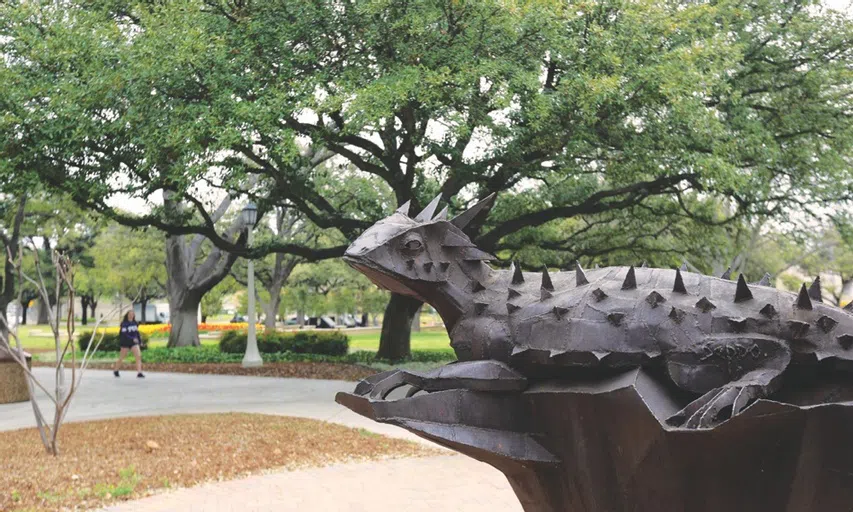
pixel 150 329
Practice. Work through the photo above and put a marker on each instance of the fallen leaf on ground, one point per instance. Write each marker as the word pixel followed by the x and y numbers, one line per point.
pixel 115 459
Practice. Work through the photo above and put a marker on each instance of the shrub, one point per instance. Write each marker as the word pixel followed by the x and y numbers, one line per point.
pixel 209 354
pixel 332 343
pixel 110 342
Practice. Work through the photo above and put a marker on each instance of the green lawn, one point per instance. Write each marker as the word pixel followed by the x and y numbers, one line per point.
pixel 38 338
pixel 431 338
pixel 163 341
pixel 35 337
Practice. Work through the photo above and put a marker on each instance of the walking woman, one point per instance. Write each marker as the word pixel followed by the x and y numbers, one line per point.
pixel 129 339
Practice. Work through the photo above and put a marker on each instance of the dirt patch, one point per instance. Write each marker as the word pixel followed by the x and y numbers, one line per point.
pixel 122 459
pixel 301 370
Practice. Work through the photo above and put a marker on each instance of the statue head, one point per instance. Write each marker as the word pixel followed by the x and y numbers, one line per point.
pixel 402 253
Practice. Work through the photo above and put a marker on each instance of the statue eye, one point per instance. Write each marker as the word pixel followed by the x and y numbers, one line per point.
pixel 413 245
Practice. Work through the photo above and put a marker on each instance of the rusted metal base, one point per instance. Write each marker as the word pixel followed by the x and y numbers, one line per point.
pixel 602 445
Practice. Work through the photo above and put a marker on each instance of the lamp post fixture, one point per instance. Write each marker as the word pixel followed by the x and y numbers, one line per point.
pixel 252 358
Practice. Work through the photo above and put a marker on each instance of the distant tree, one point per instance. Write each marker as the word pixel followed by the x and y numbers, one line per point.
pixel 90 285
pixel 52 222
pixel 194 269
pixel 130 263
pixel 330 287
pixel 12 210
pixel 273 271
pixel 830 251
pixel 211 303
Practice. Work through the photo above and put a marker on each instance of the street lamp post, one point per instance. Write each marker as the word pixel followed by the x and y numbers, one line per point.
pixel 252 358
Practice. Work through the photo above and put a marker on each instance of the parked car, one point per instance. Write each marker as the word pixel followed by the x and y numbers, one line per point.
pixel 322 322
pixel 154 313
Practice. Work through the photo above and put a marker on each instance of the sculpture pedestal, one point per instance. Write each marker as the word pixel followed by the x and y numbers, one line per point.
pixel 602 446
pixel 13 381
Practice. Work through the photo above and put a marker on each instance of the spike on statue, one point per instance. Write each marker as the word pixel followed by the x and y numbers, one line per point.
pixel 442 215
pixel 742 292
pixel 517 275
pixel 404 209
pixel 546 280
pixel 679 287
pixel 803 299
pixel 814 290
pixel 580 276
pixel 428 212
pixel 465 218
pixel 630 282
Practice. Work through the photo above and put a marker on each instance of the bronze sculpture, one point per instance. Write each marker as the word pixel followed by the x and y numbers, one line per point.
pixel 548 363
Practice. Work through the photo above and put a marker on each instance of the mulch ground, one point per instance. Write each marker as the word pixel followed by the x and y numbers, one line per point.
pixel 111 460
pixel 333 371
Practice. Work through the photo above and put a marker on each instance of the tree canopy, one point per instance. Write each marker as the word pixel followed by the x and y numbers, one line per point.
pixel 574 111
pixel 608 127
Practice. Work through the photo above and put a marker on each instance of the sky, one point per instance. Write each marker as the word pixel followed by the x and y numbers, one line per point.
pixel 841 5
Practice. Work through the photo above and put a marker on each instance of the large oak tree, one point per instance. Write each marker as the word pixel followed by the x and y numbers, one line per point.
pixel 607 126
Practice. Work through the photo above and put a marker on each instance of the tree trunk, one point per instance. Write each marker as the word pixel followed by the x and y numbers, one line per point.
pixel 8 253
pixel 184 320
pixel 84 306
pixel 143 305
pixel 300 318
pixel 190 280
pixel 270 312
pixel 92 306
pixel 24 309
pixel 364 319
pixel 4 332
pixel 416 321
pixel 396 338
pixel 42 318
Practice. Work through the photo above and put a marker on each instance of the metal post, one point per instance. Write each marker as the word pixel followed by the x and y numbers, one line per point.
pixel 252 359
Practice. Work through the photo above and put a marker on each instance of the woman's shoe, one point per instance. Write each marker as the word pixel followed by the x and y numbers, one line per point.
pixel 115 372
pixel 140 376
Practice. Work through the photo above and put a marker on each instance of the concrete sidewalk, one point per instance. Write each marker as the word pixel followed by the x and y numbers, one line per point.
pixel 430 484
pixel 103 396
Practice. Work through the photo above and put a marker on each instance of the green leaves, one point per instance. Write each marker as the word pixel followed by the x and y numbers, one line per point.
pixel 578 114
pixel 130 262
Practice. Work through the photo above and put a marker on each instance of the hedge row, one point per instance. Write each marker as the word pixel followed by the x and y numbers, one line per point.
pixel 329 343
pixel 209 354
pixel 110 342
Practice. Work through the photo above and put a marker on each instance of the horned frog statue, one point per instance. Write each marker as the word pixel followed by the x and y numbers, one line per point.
pixel 726 343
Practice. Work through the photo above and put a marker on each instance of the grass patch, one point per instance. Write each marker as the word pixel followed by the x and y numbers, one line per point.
pixel 39 338
pixel 431 338
pixel 35 338
pixel 430 349
pixel 208 354
pixel 115 460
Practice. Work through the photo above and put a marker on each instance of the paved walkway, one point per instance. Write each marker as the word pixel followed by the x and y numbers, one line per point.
pixel 103 396
pixel 432 484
